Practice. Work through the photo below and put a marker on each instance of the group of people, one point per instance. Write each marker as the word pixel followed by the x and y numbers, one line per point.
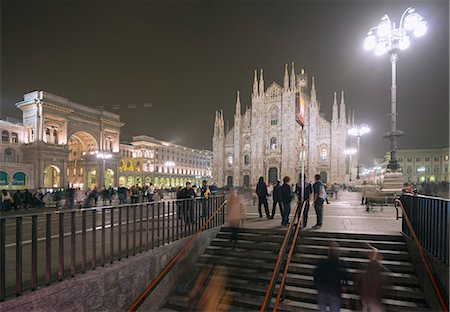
pixel 331 280
pixel 22 199
pixel 283 194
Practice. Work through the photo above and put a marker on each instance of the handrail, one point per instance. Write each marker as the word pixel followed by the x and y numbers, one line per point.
pixel 276 271
pixel 422 255
pixel 171 264
pixel 289 258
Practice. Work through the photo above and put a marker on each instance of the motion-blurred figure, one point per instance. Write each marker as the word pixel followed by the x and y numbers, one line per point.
pixel 330 276
pixel 235 215
pixel 372 282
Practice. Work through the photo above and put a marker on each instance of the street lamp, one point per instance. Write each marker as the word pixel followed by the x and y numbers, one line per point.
pixel 350 152
pixel 103 156
pixel 388 38
pixel 358 131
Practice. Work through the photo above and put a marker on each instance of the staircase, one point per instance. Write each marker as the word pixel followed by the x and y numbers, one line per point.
pixel 249 268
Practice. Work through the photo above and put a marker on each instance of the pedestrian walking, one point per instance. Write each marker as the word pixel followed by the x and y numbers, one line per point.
pixel 276 196
pixel 188 194
pixel 372 282
pixel 286 198
pixel 204 194
pixel 306 198
pixel 6 200
pixel 235 216
pixel 319 197
pixel 261 192
pixel 330 279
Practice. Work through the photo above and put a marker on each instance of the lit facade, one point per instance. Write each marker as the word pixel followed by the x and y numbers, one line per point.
pixel 266 140
pixel 148 160
pixel 59 142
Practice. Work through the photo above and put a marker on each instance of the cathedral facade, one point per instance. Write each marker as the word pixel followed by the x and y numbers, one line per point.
pixel 266 141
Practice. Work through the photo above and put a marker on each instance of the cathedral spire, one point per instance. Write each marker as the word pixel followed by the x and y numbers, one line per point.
pixel 342 109
pixel 238 106
pixel 255 85
pixel 293 84
pixel 313 91
pixel 334 117
pixel 286 78
pixel 261 84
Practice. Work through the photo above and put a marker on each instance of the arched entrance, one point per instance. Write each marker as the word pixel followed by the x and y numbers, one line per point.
pixel 247 180
pixel 52 176
pixel 273 175
pixel 229 181
pixel 130 181
pixel 122 181
pixel 81 146
pixel 323 176
pixel 92 178
pixel 109 177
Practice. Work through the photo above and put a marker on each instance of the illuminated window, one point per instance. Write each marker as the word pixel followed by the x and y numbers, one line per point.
pixel 47 135
pixel 274 116
pixel 230 161
pixel 14 137
pixel 273 143
pixel 323 154
pixel 446 157
pixel 427 158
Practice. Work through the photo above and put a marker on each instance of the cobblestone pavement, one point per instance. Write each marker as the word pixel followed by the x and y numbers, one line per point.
pixel 342 214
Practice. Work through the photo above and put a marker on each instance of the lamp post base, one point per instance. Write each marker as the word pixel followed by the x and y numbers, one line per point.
pixel 393 181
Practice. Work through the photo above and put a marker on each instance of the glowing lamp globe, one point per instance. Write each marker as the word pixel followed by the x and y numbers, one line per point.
pixel 420 29
pixel 370 43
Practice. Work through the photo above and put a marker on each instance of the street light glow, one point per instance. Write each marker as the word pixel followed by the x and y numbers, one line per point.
pixel 103 155
pixel 350 151
pixel 359 130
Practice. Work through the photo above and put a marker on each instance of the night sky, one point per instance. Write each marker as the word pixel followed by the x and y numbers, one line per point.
pixel 188 58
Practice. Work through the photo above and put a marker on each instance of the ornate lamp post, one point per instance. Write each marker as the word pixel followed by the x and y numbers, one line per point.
pixel 103 156
pixel 358 131
pixel 350 152
pixel 388 38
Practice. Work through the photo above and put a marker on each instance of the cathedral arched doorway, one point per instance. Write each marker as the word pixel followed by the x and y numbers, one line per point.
pixel 323 176
pixel 247 180
pixel 229 181
pixel 273 175
pixel 52 176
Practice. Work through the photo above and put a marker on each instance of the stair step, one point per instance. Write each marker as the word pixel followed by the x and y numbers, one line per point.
pixel 253 237
pixel 353 243
pixel 264 232
pixel 352 235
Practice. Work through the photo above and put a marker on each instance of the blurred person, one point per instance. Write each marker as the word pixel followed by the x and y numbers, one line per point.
pixel 79 197
pixel 286 198
pixel 307 196
pixel 6 200
pixel 320 195
pixel 235 216
pixel 151 192
pixel 261 192
pixel 276 196
pixel 371 283
pixel 209 291
pixel 330 279
pixel 70 197
pixel 122 194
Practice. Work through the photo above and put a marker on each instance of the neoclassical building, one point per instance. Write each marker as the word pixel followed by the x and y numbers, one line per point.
pixel 266 139
pixel 59 142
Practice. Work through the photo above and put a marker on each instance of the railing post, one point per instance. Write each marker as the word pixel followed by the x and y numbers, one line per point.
pixel 18 255
pixel 111 236
pixel 61 247
pixel 134 229
pixel 127 232
pixel 159 222
pixel 2 259
pixel 146 226
pixel 72 244
pixel 103 247
pixel 34 252
pixel 153 225
pixel 163 223
pixel 119 234
pixel 173 221
pixel 141 207
pixel 48 249
pixel 83 241
pixel 94 238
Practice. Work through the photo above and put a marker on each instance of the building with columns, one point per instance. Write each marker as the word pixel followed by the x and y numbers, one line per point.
pixel 265 139
pixel 59 142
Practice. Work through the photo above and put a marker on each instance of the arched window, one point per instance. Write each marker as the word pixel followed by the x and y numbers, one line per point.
pixel 14 137
pixel 5 136
pixel 10 155
pixel 55 136
pixel 273 143
pixel 47 135
pixel 323 153
pixel 246 160
pixel 230 161
pixel 274 116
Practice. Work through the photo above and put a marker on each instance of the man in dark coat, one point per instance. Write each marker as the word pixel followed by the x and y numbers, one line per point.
pixel 307 196
pixel 276 196
pixel 286 198
pixel 188 194
pixel 261 191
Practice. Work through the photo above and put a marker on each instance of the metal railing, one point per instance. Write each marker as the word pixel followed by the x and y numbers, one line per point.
pixel 38 249
pixel 412 234
pixel 218 217
pixel 291 234
pixel 429 217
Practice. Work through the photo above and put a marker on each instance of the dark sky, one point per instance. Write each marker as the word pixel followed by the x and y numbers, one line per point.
pixel 188 58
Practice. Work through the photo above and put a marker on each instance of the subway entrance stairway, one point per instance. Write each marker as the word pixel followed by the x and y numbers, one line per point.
pixel 247 269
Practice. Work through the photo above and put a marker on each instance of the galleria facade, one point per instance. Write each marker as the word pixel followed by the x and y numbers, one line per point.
pixel 60 143
pixel 265 140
